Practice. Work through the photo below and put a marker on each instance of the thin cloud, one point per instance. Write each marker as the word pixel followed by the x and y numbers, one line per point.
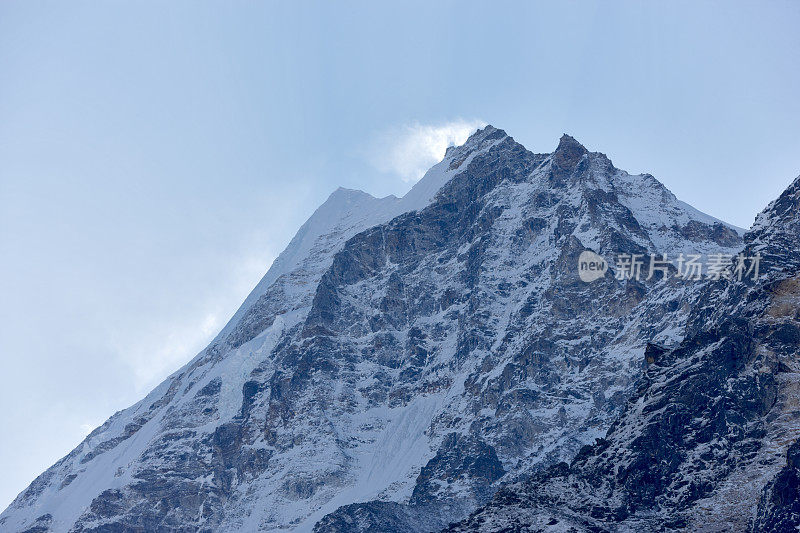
pixel 412 149
pixel 160 349
pixel 154 348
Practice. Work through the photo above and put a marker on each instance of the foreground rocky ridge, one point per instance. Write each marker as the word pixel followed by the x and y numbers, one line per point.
pixel 402 359
pixel 709 441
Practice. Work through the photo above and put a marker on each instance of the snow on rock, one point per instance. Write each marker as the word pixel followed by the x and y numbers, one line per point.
pixel 401 359
pixel 710 439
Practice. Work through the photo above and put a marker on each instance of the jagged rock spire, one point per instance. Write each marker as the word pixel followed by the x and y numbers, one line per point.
pixel 568 153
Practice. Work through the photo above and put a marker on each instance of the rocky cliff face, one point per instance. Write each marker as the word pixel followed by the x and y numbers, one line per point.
pixel 404 358
pixel 709 440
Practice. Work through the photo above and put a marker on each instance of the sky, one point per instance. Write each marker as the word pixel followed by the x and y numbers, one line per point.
pixel 156 157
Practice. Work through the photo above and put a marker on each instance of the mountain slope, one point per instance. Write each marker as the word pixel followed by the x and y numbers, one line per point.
pixel 710 440
pixel 402 358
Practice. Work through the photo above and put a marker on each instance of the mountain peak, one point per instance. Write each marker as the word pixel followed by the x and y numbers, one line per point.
pixel 480 135
pixel 569 152
pixel 568 140
pixel 364 343
pixel 775 230
pixel 488 132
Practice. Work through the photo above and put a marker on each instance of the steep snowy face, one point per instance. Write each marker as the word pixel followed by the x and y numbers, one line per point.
pixel 402 358
pixel 291 280
pixel 283 296
pixel 710 440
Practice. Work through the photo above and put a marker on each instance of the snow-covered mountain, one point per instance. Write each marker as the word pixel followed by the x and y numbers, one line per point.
pixel 710 441
pixel 403 358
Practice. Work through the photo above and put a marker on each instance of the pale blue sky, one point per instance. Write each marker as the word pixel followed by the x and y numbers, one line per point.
pixel 154 158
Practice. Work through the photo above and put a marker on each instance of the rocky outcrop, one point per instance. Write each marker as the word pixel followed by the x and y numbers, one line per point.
pixel 708 442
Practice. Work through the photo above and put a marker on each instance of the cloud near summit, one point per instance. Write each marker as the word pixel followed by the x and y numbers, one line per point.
pixel 410 150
